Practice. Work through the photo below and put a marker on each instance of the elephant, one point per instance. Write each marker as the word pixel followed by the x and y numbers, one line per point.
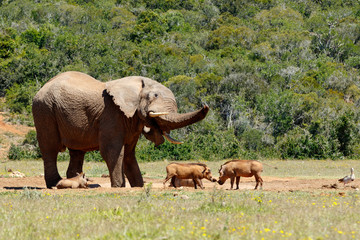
pixel 75 111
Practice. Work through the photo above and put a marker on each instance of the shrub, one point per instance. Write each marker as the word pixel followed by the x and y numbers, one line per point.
pixel 28 149
pixel 19 97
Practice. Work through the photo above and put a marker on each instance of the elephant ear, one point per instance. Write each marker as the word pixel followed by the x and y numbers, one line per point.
pixel 125 93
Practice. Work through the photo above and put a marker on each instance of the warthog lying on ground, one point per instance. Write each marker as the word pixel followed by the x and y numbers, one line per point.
pixel 182 183
pixel 194 171
pixel 80 181
pixel 240 168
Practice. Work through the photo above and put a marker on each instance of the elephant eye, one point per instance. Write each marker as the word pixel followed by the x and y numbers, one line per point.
pixel 156 95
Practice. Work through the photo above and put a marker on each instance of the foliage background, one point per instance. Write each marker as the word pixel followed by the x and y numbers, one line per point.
pixel 281 77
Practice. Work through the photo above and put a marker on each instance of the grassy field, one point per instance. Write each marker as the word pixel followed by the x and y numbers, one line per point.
pixel 183 214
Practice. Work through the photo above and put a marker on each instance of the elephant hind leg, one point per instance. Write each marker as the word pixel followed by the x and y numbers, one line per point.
pixel 50 145
pixel 76 163
pixel 52 176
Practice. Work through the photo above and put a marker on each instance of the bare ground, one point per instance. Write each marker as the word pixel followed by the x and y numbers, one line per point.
pixel 102 185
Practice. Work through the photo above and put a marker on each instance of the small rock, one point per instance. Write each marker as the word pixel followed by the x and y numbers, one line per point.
pixel 105 175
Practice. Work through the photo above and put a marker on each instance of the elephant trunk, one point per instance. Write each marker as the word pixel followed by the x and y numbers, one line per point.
pixel 173 121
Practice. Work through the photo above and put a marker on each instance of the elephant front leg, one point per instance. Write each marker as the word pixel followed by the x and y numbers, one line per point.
pixel 131 168
pixel 114 161
pixel 117 177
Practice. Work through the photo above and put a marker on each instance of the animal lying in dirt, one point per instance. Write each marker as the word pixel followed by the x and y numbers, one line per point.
pixel 194 171
pixel 80 181
pixel 182 183
pixel 240 168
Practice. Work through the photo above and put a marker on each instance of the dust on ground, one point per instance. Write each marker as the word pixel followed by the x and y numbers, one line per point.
pixel 102 185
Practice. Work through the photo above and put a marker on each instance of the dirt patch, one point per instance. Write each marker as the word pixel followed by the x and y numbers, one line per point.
pixel 10 133
pixel 15 129
pixel 102 185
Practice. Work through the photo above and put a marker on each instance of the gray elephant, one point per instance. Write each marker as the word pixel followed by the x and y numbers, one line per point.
pixel 75 111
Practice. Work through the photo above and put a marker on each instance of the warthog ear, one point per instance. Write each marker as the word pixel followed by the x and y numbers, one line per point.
pixel 221 172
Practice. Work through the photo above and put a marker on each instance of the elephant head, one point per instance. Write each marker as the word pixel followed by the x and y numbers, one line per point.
pixel 154 104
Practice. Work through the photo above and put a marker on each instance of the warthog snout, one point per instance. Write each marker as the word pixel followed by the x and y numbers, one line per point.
pixel 214 180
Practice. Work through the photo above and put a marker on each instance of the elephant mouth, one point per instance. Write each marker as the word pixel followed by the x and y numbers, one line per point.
pixel 171 139
pixel 165 134
pixel 167 121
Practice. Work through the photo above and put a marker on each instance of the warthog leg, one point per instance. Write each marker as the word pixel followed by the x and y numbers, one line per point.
pixel 237 182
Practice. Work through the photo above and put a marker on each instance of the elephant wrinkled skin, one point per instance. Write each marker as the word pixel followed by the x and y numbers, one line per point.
pixel 75 111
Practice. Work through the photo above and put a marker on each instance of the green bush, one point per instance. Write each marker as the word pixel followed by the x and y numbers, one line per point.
pixel 21 152
pixel 19 97
pixel 7 46
pixel 209 146
pixel 269 70
pixel 28 149
pixel 304 146
pixel 93 156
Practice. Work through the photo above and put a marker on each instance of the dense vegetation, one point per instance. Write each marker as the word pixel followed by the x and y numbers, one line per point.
pixel 281 77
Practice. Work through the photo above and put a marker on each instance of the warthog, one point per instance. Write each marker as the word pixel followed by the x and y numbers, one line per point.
pixel 194 171
pixel 182 183
pixel 240 168
pixel 80 181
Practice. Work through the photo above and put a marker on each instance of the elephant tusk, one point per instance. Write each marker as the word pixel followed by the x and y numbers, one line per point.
pixel 157 114
pixel 170 139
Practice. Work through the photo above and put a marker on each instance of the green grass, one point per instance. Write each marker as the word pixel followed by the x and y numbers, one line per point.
pixel 182 214
pixel 217 214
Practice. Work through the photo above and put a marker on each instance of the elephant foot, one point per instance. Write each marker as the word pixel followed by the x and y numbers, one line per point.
pixel 137 183
pixel 51 182
pixel 117 184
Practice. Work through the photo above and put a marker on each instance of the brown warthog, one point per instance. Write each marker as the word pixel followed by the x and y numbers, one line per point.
pixel 80 181
pixel 240 168
pixel 194 171
pixel 182 183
